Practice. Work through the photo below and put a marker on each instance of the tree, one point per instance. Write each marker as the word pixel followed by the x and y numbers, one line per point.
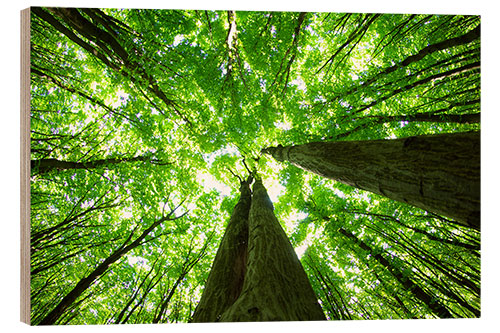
pixel 438 173
pixel 275 286
pixel 49 164
pixel 256 275
pixel 136 112
pixel 225 282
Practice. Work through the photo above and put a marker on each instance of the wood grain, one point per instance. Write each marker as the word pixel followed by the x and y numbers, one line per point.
pixel 25 166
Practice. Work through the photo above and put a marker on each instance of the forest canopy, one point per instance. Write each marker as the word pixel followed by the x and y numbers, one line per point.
pixel 146 123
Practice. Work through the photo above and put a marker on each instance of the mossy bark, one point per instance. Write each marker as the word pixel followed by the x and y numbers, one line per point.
pixel 276 287
pixel 438 173
pixel 228 269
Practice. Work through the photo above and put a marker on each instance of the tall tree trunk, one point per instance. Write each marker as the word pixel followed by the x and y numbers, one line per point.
pixel 226 277
pixel 433 304
pixel 276 287
pixel 439 173
pixel 49 164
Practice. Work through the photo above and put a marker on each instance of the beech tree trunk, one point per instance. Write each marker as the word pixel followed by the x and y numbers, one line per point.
pixel 438 173
pixel 276 287
pixel 226 277
pixel 49 164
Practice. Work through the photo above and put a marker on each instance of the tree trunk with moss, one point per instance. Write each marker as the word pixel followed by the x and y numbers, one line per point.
pixel 228 269
pixel 276 287
pixel 438 173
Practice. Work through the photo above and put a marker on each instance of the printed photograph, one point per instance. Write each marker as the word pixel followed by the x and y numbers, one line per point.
pixel 203 166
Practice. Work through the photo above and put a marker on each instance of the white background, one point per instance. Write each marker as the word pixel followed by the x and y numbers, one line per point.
pixel 10 164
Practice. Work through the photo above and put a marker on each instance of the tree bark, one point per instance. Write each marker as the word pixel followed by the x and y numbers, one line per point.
pixel 226 277
pixel 276 287
pixel 438 173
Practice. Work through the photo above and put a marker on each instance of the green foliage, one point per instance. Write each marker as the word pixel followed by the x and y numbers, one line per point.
pixel 192 99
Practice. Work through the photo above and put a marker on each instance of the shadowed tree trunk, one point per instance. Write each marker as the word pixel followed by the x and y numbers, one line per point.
pixel 50 164
pixel 226 277
pixel 276 287
pixel 438 173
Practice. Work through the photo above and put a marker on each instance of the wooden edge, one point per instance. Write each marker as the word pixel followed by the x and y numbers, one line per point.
pixel 25 167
